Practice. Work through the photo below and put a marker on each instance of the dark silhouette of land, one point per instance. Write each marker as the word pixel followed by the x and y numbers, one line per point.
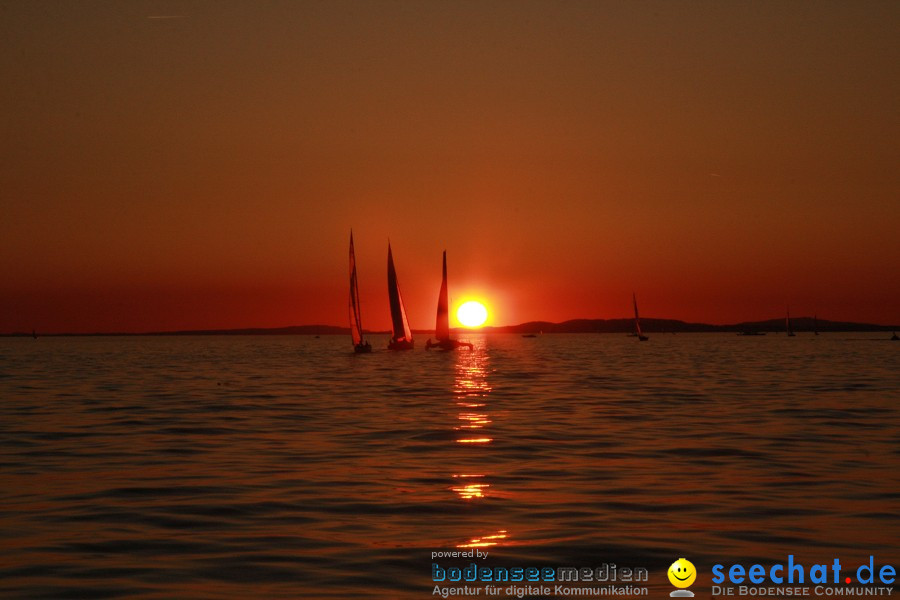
pixel 624 326
pixel 675 326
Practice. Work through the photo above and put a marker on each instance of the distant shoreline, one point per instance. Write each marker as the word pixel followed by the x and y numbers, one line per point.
pixel 622 326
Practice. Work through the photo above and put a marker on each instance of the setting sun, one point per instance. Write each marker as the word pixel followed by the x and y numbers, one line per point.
pixel 472 314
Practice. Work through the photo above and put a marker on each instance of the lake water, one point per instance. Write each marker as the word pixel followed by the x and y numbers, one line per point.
pixel 287 467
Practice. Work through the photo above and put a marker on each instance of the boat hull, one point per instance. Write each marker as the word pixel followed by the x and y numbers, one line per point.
pixel 447 344
pixel 400 345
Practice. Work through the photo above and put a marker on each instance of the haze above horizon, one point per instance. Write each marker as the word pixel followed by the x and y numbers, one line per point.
pixel 722 160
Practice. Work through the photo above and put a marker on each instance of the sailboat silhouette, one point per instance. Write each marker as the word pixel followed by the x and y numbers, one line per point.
pixel 442 324
pixel 401 334
pixel 637 321
pixel 359 345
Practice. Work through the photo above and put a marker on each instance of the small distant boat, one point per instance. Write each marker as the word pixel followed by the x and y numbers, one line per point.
pixel 637 321
pixel 752 333
pixel 787 324
pixel 442 324
pixel 360 346
pixel 33 334
pixel 894 337
pixel 529 335
pixel 401 334
pixel 815 325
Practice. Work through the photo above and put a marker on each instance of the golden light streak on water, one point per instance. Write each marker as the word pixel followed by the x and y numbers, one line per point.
pixel 486 541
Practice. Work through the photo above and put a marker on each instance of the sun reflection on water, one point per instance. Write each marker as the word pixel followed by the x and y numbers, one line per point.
pixel 471 392
pixel 468 490
pixel 485 541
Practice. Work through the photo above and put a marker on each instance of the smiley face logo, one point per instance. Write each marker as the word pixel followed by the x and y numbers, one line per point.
pixel 682 573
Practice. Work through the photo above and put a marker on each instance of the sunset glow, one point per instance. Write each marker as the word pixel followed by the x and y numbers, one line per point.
pixel 472 314
pixel 316 298
pixel 709 157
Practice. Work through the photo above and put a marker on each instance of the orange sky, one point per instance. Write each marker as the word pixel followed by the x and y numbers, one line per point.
pixel 203 171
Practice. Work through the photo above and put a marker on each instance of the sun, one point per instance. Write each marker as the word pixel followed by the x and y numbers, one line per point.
pixel 472 314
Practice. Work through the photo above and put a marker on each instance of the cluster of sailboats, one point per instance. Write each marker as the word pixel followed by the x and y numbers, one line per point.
pixel 401 334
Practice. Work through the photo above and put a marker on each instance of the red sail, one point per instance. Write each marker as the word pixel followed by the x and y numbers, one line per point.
pixel 442 326
pixel 399 321
pixel 355 320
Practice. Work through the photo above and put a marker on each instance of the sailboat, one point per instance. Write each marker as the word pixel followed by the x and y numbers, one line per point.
pixel 815 325
pixel 360 346
pixel 637 321
pixel 787 323
pixel 401 334
pixel 442 325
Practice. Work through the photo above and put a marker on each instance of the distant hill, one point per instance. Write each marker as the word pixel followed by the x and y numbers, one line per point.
pixel 800 324
pixel 676 326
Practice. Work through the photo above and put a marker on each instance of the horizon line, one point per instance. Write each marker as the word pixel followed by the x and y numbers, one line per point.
pixel 485 329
